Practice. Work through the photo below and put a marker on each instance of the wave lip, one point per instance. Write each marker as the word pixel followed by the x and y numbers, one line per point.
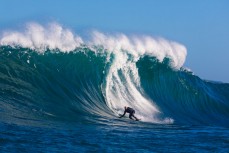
pixel 142 46
pixel 53 36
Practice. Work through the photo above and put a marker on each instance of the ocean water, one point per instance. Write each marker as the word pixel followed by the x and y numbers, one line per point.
pixel 62 93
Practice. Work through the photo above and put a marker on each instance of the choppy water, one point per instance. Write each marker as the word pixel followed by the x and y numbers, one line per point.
pixel 124 136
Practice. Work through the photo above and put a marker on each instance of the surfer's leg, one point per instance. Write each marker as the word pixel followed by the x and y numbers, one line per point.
pixel 130 116
pixel 134 116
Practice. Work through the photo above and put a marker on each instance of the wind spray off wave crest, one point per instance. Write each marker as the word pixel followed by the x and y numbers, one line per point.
pixel 38 37
pixel 54 36
pixel 138 46
pixel 121 86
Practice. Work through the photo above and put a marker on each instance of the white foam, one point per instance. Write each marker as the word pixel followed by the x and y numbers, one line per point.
pixel 39 37
pixel 142 45
pixel 53 36
pixel 123 82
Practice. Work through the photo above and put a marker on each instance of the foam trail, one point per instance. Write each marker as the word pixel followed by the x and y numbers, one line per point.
pixel 123 82
pixel 121 89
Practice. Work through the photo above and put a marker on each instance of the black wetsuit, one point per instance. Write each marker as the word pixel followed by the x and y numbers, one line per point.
pixel 131 111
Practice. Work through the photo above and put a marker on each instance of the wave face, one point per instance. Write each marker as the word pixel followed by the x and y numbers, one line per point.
pixel 49 73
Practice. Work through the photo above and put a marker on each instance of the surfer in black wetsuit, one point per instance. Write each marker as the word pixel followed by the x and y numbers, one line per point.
pixel 131 111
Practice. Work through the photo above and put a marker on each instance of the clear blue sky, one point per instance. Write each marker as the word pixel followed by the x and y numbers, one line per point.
pixel 201 25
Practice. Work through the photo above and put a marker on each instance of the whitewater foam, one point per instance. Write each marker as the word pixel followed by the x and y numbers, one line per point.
pixel 142 45
pixel 123 89
pixel 41 38
pixel 53 36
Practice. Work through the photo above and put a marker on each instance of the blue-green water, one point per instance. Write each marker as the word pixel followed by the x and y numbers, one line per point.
pixel 117 136
pixel 69 102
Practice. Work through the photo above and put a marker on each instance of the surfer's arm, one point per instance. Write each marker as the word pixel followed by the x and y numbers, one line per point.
pixel 123 114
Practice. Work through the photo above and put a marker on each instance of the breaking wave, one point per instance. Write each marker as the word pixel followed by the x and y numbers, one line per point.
pixel 48 72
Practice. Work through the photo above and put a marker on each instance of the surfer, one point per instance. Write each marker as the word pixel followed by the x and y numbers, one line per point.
pixel 131 111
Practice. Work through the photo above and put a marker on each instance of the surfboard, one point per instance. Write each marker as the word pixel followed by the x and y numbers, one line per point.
pixel 134 120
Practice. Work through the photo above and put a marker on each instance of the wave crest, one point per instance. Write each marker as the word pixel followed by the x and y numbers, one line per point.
pixel 138 46
pixel 41 38
pixel 53 36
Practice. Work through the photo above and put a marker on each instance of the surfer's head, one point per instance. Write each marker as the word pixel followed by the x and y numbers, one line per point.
pixel 125 107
